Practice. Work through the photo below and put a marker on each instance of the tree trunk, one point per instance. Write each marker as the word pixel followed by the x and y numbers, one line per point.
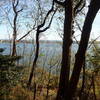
pixel 94 92
pixel 14 36
pixel 93 9
pixel 67 41
pixel 35 90
pixel 14 45
pixel 35 59
pixel 81 91
pixel 39 30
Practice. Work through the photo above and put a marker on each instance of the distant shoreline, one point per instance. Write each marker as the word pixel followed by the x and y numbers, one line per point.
pixel 41 41
pixel 30 41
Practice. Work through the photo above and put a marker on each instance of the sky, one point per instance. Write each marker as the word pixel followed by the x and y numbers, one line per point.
pixel 51 34
pixel 95 32
pixel 96 27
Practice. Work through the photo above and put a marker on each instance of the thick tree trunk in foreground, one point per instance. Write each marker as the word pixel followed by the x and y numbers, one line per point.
pixel 67 41
pixel 93 9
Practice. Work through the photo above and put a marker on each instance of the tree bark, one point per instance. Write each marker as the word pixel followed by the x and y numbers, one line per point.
pixel 35 59
pixel 93 9
pixel 83 81
pixel 14 35
pixel 67 41
pixel 15 4
pixel 39 30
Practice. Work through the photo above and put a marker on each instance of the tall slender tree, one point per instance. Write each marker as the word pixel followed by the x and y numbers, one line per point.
pixel 15 4
pixel 39 30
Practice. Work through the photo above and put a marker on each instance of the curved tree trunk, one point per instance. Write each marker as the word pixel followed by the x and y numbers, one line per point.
pixel 39 30
pixel 93 9
pixel 35 59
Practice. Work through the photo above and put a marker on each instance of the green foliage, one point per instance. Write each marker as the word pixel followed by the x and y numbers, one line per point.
pixel 9 72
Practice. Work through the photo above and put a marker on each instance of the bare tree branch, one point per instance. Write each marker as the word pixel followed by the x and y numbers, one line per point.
pixel 6 12
pixel 49 22
pixel 26 33
pixel 78 5
pixel 93 41
pixel 17 3
pixel 79 10
pixel 20 10
pixel 52 8
pixel 38 44
pixel 60 3
pixel 15 25
pixel 76 40
pixel 78 26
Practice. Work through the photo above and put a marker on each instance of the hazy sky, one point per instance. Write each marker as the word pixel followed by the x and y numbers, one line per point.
pixel 51 34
